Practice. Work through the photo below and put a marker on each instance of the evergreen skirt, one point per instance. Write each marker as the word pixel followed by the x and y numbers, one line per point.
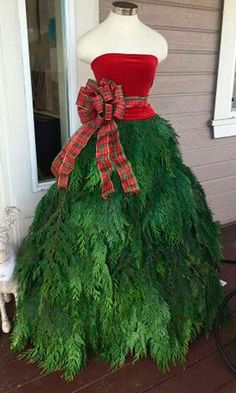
pixel 133 274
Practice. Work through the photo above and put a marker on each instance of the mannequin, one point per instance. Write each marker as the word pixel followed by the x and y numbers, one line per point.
pixel 121 32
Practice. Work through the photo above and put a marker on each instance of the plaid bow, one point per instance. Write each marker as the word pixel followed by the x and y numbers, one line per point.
pixel 98 107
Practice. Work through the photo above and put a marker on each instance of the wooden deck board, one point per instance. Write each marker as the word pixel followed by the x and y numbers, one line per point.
pixel 204 377
pixel 228 388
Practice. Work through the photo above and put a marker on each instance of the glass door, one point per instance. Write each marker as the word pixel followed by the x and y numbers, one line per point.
pixel 48 70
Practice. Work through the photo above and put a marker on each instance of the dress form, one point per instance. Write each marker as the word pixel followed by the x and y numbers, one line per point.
pixel 121 32
pixel 135 274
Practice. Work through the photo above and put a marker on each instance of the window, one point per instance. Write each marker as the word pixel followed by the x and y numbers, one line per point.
pixel 45 26
pixel 224 122
pixel 61 23
pixel 48 36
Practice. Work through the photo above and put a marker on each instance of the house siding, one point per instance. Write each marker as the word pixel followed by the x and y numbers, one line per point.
pixel 184 91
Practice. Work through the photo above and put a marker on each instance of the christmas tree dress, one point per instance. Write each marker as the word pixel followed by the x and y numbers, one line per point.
pixel 123 254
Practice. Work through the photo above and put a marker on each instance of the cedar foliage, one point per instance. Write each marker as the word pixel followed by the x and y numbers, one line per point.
pixel 132 274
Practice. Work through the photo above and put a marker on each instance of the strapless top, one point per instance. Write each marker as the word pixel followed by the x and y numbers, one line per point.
pixel 135 72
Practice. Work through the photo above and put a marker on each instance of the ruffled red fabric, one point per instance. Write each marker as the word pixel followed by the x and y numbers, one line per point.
pixel 135 72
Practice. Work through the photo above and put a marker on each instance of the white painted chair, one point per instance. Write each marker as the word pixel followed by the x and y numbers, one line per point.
pixel 8 285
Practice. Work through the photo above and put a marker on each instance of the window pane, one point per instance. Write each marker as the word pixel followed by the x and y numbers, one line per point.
pixel 48 78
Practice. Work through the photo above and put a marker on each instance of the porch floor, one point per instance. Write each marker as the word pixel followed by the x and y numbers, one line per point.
pixel 205 371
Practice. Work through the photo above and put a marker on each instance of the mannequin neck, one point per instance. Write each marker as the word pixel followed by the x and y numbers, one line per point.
pixel 129 21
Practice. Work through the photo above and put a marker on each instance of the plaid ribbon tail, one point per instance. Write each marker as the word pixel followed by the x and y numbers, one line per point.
pixel 64 163
pixel 58 160
pixel 123 166
pixel 104 163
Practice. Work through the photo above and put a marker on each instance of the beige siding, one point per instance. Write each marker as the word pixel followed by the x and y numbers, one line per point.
pixel 184 91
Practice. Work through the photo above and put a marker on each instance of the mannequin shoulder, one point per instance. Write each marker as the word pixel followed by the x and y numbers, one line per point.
pixel 86 48
pixel 156 43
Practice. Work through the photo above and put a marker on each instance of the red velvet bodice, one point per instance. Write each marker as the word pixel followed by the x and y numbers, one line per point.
pixel 135 72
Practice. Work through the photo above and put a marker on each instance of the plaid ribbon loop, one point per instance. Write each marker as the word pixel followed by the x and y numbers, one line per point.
pixel 99 105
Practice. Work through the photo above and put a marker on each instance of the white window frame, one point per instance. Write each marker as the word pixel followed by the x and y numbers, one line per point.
pixel 80 16
pixel 224 122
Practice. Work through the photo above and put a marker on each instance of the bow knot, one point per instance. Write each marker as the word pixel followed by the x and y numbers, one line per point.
pixel 99 105
pixel 102 102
